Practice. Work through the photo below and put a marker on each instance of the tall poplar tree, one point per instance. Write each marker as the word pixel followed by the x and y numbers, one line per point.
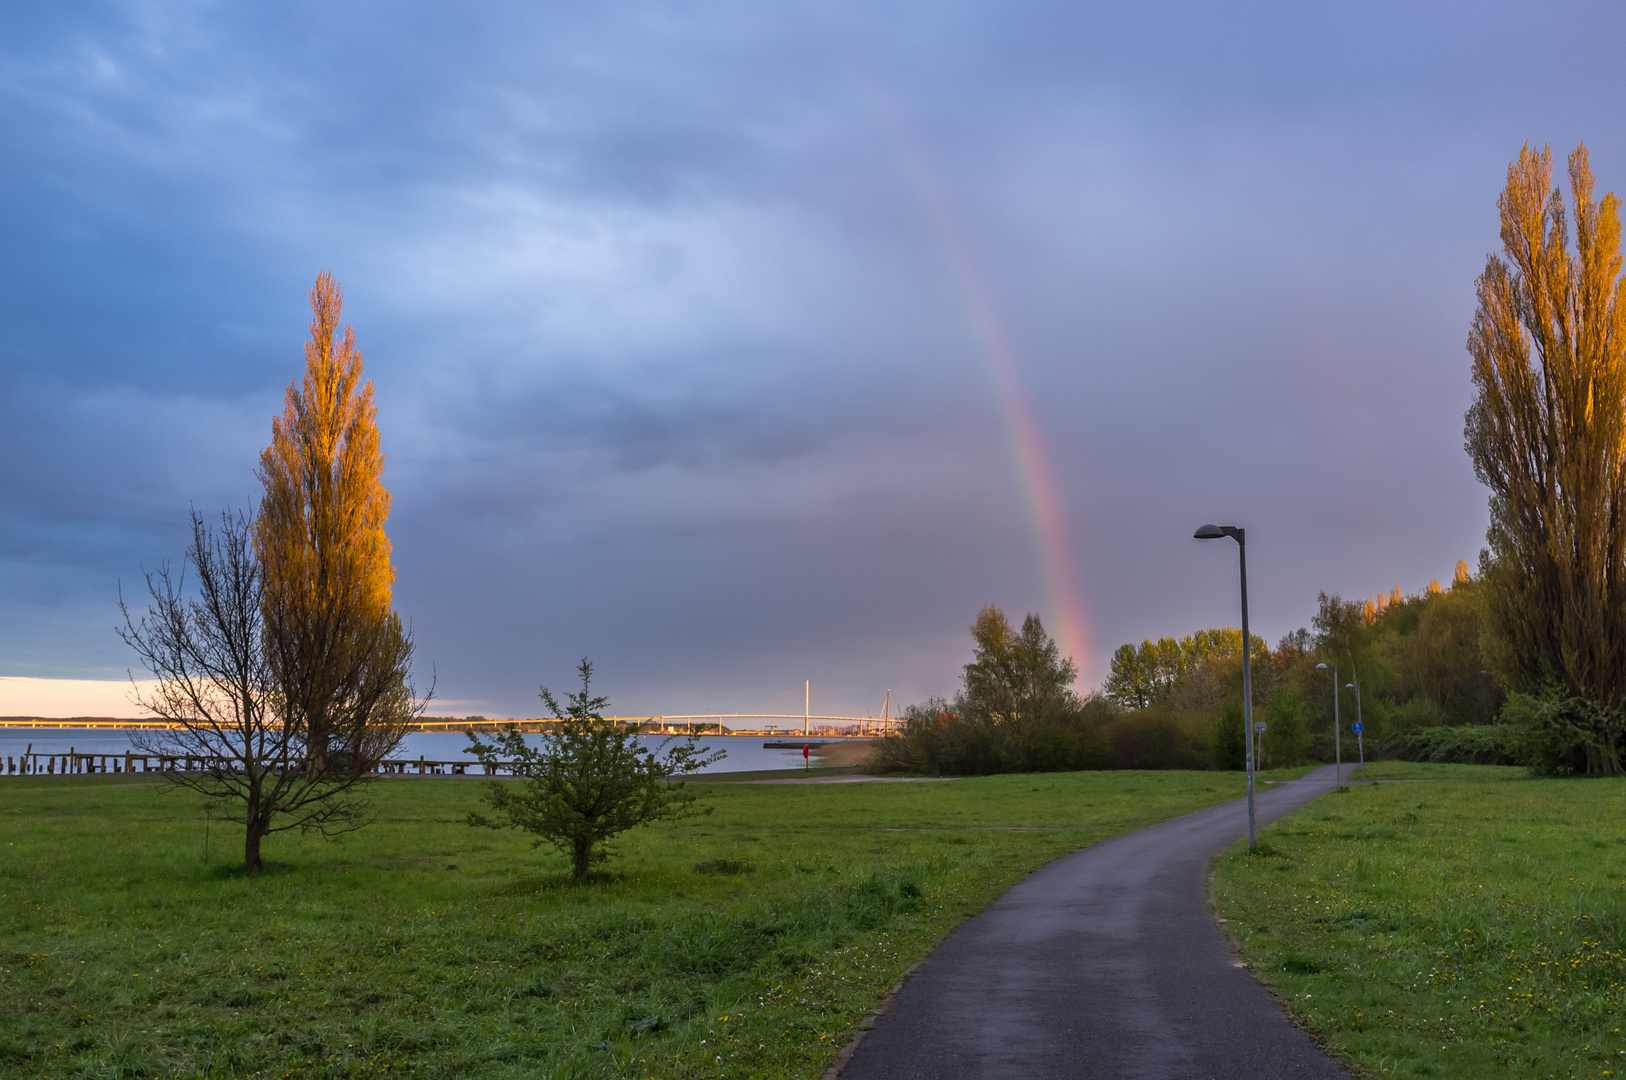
pixel 340 654
pixel 1547 435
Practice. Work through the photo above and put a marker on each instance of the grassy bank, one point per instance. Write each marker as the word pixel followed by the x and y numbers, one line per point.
pixel 1472 925
pixel 745 943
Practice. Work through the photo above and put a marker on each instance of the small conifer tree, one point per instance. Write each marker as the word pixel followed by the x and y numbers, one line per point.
pixel 590 780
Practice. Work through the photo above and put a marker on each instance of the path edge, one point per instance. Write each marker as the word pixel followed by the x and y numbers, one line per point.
pixel 1294 1016
pixel 868 1022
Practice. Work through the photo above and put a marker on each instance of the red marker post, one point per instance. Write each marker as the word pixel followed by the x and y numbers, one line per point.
pixel 804 756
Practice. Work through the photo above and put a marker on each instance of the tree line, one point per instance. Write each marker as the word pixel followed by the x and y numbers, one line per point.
pixel 1176 703
pixel 1523 661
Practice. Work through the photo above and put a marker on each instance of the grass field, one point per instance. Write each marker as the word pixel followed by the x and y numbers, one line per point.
pixel 1471 925
pixel 745 943
pixel 1427 770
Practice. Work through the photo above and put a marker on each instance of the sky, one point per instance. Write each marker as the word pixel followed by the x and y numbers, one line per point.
pixel 736 345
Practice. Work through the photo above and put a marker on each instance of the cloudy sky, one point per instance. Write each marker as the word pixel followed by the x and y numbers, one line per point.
pixel 736 344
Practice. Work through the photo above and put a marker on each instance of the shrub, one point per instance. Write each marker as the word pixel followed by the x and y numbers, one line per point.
pixel 1471 744
pixel 1551 731
pixel 1287 728
pixel 589 781
pixel 1156 738
pixel 1230 748
pixel 1095 735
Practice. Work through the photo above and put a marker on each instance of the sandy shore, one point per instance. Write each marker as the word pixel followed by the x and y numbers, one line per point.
pixel 842 753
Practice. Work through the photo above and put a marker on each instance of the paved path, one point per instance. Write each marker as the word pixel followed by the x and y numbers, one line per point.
pixel 851 778
pixel 1105 963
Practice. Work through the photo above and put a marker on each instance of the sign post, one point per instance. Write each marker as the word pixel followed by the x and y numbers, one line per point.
pixel 1337 748
pixel 1359 727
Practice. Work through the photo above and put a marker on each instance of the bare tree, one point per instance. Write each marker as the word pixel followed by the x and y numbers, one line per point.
pixel 216 685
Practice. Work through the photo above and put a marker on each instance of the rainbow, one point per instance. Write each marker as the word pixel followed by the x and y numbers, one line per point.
pixel 1029 456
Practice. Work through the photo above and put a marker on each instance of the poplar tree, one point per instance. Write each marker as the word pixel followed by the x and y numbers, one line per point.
pixel 338 650
pixel 1547 435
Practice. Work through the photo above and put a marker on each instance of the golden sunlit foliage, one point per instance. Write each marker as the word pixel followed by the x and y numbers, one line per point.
pixel 320 533
pixel 1154 670
pixel 1547 435
pixel 338 649
pixel 1415 656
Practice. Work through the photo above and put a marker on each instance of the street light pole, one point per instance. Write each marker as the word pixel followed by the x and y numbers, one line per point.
pixel 1214 532
pixel 1337 753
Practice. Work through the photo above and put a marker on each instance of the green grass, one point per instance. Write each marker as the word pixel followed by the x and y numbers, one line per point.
pixel 1472 929
pixel 1426 770
pixel 745 943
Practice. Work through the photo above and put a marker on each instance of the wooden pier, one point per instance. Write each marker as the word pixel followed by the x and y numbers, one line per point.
pixel 74 763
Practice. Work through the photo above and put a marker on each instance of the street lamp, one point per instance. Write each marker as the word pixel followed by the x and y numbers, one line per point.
pixel 1337 754
pixel 1215 532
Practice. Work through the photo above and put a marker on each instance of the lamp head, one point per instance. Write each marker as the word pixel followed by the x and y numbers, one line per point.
pixel 1349 686
pixel 1214 532
pixel 1324 667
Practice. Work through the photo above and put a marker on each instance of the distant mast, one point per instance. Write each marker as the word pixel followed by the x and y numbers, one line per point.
pixel 807 697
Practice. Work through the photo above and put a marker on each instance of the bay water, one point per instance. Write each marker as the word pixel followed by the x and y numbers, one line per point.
pixel 744 753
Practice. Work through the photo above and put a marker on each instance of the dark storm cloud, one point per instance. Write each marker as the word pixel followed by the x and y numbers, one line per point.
pixel 673 369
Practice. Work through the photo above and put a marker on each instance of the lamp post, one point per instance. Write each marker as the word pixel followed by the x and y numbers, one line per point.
pixel 1337 754
pixel 1214 532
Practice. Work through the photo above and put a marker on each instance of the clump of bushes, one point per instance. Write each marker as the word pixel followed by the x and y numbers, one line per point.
pixel 1460 744
pixel 942 738
pixel 1017 712
pixel 1550 732
pixel 1556 733
pixel 1095 734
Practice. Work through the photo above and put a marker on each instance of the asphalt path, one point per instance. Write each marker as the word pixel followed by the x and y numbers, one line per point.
pixel 1104 963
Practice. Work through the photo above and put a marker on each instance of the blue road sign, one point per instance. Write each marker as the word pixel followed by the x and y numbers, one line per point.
pixel 1357 727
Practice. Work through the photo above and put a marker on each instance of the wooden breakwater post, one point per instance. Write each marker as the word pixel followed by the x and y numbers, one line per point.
pixel 73 762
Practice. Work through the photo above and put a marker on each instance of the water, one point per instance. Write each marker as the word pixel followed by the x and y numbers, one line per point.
pixel 744 753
